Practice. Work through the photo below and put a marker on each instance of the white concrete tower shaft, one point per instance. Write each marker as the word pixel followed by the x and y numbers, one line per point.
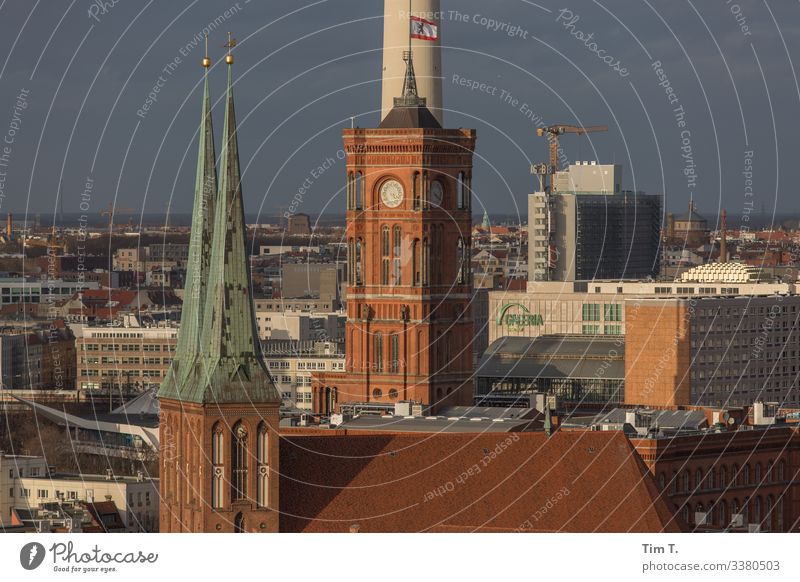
pixel 427 54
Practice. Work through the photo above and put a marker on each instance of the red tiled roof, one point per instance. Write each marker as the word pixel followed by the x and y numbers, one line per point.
pixel 571 482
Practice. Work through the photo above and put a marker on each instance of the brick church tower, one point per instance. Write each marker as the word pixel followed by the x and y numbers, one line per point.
pixel 409 324
pixel 219 406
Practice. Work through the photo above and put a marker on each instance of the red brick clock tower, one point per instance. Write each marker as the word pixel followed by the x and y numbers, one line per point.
pixel 409 329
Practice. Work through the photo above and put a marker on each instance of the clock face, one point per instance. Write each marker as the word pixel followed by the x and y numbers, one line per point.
pixel 437 193
pixel 392 194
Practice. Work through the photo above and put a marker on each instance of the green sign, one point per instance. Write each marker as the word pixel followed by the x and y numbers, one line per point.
pixel 516 317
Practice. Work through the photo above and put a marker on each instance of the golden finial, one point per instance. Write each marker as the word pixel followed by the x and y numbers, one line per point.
pixel 231 43
pixel 206 60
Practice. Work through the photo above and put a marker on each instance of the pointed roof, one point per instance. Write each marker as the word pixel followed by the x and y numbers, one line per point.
pixel 190 342
pixel 233 368
pixel 410 110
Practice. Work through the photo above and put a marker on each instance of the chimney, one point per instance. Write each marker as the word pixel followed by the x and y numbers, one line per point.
pixel 355 528
pixel 10 226
pixel 723 245
pixel 139 476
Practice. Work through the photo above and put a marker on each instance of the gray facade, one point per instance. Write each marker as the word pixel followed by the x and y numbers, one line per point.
pixel 744 350
pixel 585 236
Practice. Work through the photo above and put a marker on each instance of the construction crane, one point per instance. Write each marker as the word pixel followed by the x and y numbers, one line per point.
pixel 554 131
pixel 111 211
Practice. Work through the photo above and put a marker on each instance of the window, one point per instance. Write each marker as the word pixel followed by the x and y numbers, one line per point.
pixel 41 493
pixel 377 393
pixel 394 363
pixel 218 469
pixel 426 262
pixel 378 352
pixel 239 462
pixel 591 312
pixel 613 312
pixel 397 266
pixel 415 263
pixel 359 191
pixel 393 394
pixel 591 329
pixel 262 456
pixel 415 188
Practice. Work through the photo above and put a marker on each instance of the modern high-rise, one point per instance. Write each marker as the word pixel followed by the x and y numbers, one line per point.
pixel 590 228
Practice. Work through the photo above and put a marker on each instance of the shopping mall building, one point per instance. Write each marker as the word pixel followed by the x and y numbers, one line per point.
pixel 721 336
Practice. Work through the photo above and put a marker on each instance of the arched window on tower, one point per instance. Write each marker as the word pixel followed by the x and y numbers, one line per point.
pixel 351 191
pixel 379 352
pixel 415 262
pixel 397 261
pixel 385 255
pixel 351 261
pixel 468 192
pixel 359 278
pixel 358 187
pixel 426 262
pixel 263 466
pixel 426 191
pixel 218 467
pixel 461 190
pixel 394 348
pixel 438 252
pixel 416 190
pixel 239 462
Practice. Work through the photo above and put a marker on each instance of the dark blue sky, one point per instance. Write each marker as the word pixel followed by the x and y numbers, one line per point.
pixel 304 68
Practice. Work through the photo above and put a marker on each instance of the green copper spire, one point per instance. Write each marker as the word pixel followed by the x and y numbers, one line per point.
pixel 486 222
pixel 190 341
pixel 234 367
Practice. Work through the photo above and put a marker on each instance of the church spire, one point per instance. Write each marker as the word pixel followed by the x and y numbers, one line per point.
pixel 190 342
pixel 235 371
